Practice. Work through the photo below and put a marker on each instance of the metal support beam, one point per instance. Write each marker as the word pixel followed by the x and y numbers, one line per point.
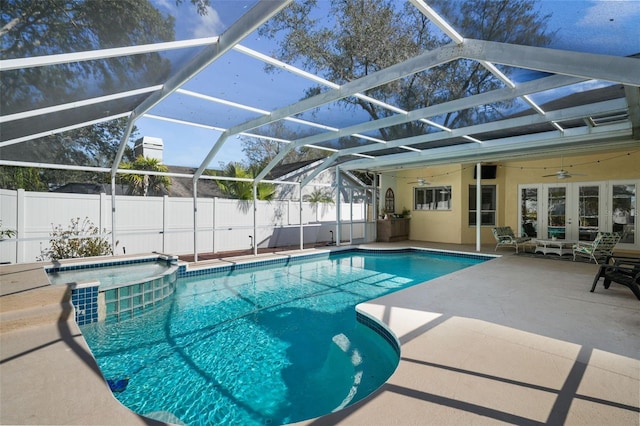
pixel 615 69
pixel 255 219
pixel 338 236
pixel 633 100
pixel 478 207
pixel 195 220
pixel 93 55
pixel 540 85
pixel 300 217
pixel 578 112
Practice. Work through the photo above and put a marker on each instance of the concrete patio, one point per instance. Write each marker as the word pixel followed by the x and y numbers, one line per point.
pixel 515 340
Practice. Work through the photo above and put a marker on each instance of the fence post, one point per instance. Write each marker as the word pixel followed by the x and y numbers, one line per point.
pixel 213 232
pixel 165 220
pixel 20 225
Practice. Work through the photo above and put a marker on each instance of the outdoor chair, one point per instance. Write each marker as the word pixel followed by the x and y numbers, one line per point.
pixel 529 230
pixel 505 238
pixel 623 270
pixel 601 247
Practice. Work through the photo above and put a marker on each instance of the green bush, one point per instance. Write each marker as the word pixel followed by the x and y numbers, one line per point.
pixel 80 239
pixel 6 233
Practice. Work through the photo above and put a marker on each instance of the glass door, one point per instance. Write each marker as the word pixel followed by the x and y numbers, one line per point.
pixel 556 217
pixel 589 204
pixel 529 211
pixel 623 211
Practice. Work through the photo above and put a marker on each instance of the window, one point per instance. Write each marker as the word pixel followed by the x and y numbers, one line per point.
pixel 389 201
pixel 487 208
pixel 436 198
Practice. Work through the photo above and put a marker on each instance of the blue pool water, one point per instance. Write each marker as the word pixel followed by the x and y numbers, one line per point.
pixel 266 345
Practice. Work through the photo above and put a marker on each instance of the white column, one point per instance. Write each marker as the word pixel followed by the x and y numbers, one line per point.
pixel 20 226
pixel 478 206
pixel 338 206
pixel 195 220
pixel 255 218
pixel 113 214
pixel 301 227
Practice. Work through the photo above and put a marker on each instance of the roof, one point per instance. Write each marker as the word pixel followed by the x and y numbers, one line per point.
pixel 605 118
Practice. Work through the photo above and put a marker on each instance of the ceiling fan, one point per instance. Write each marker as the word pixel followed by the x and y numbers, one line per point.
pixel 421 182
pixel 563 174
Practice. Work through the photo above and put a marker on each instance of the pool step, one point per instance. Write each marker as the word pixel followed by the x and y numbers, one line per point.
pixel 42 305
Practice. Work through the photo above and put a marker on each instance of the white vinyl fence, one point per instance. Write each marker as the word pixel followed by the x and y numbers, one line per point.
pixel 165 224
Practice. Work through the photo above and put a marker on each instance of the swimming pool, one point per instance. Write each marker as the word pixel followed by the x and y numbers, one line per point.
pixel 269 344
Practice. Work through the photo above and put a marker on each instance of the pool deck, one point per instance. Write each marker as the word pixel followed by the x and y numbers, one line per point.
pixel 517 340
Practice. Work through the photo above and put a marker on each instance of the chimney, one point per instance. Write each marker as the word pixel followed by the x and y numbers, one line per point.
pixel 149 147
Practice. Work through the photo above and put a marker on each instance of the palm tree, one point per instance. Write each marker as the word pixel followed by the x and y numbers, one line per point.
pixel 243 190
pixel 146 184
pixel 318 196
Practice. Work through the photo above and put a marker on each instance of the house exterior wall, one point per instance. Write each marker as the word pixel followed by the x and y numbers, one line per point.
pixel 452 226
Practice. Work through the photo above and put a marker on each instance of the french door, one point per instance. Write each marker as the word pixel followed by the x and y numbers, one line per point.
pixel 574 211
pixel 577 211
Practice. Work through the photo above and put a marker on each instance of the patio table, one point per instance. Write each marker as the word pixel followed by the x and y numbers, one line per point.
pixel 558 247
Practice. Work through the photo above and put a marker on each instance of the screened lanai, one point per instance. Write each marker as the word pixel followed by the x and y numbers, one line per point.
pixel 224 73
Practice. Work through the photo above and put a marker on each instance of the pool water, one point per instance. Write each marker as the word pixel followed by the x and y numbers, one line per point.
pixel 263 345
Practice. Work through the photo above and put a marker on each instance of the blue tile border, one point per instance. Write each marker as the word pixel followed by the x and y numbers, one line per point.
pixel 184 273
pixel 85 302
pixel 104 264
pixel 380 329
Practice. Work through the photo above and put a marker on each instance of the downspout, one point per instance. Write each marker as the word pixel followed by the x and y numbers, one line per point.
pixel 478 205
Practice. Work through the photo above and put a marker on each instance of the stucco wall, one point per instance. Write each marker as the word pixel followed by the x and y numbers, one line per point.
pixel 452 226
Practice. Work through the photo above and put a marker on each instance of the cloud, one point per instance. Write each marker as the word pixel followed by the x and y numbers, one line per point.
pixel 604 13
pixel 209 25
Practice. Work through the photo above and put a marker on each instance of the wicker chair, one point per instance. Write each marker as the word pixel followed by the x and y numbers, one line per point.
pixel 600 248
pixel 505 238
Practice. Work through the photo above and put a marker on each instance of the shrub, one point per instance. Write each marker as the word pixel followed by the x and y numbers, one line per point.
pixel 6 233
pixel 80 239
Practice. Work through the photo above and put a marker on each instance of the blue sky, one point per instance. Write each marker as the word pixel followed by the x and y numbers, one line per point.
pixel 604 27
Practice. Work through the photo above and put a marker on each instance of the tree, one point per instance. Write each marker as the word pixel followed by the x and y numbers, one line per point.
pixel 94 146
pixel 366 36
pixel 318 196
pixel 243 190
pixel 259 151
pixel 27 178
pixel 44 27
pixel 145 184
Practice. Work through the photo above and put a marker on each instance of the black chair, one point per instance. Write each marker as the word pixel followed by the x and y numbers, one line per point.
pixel 530 230
pixel 621 270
